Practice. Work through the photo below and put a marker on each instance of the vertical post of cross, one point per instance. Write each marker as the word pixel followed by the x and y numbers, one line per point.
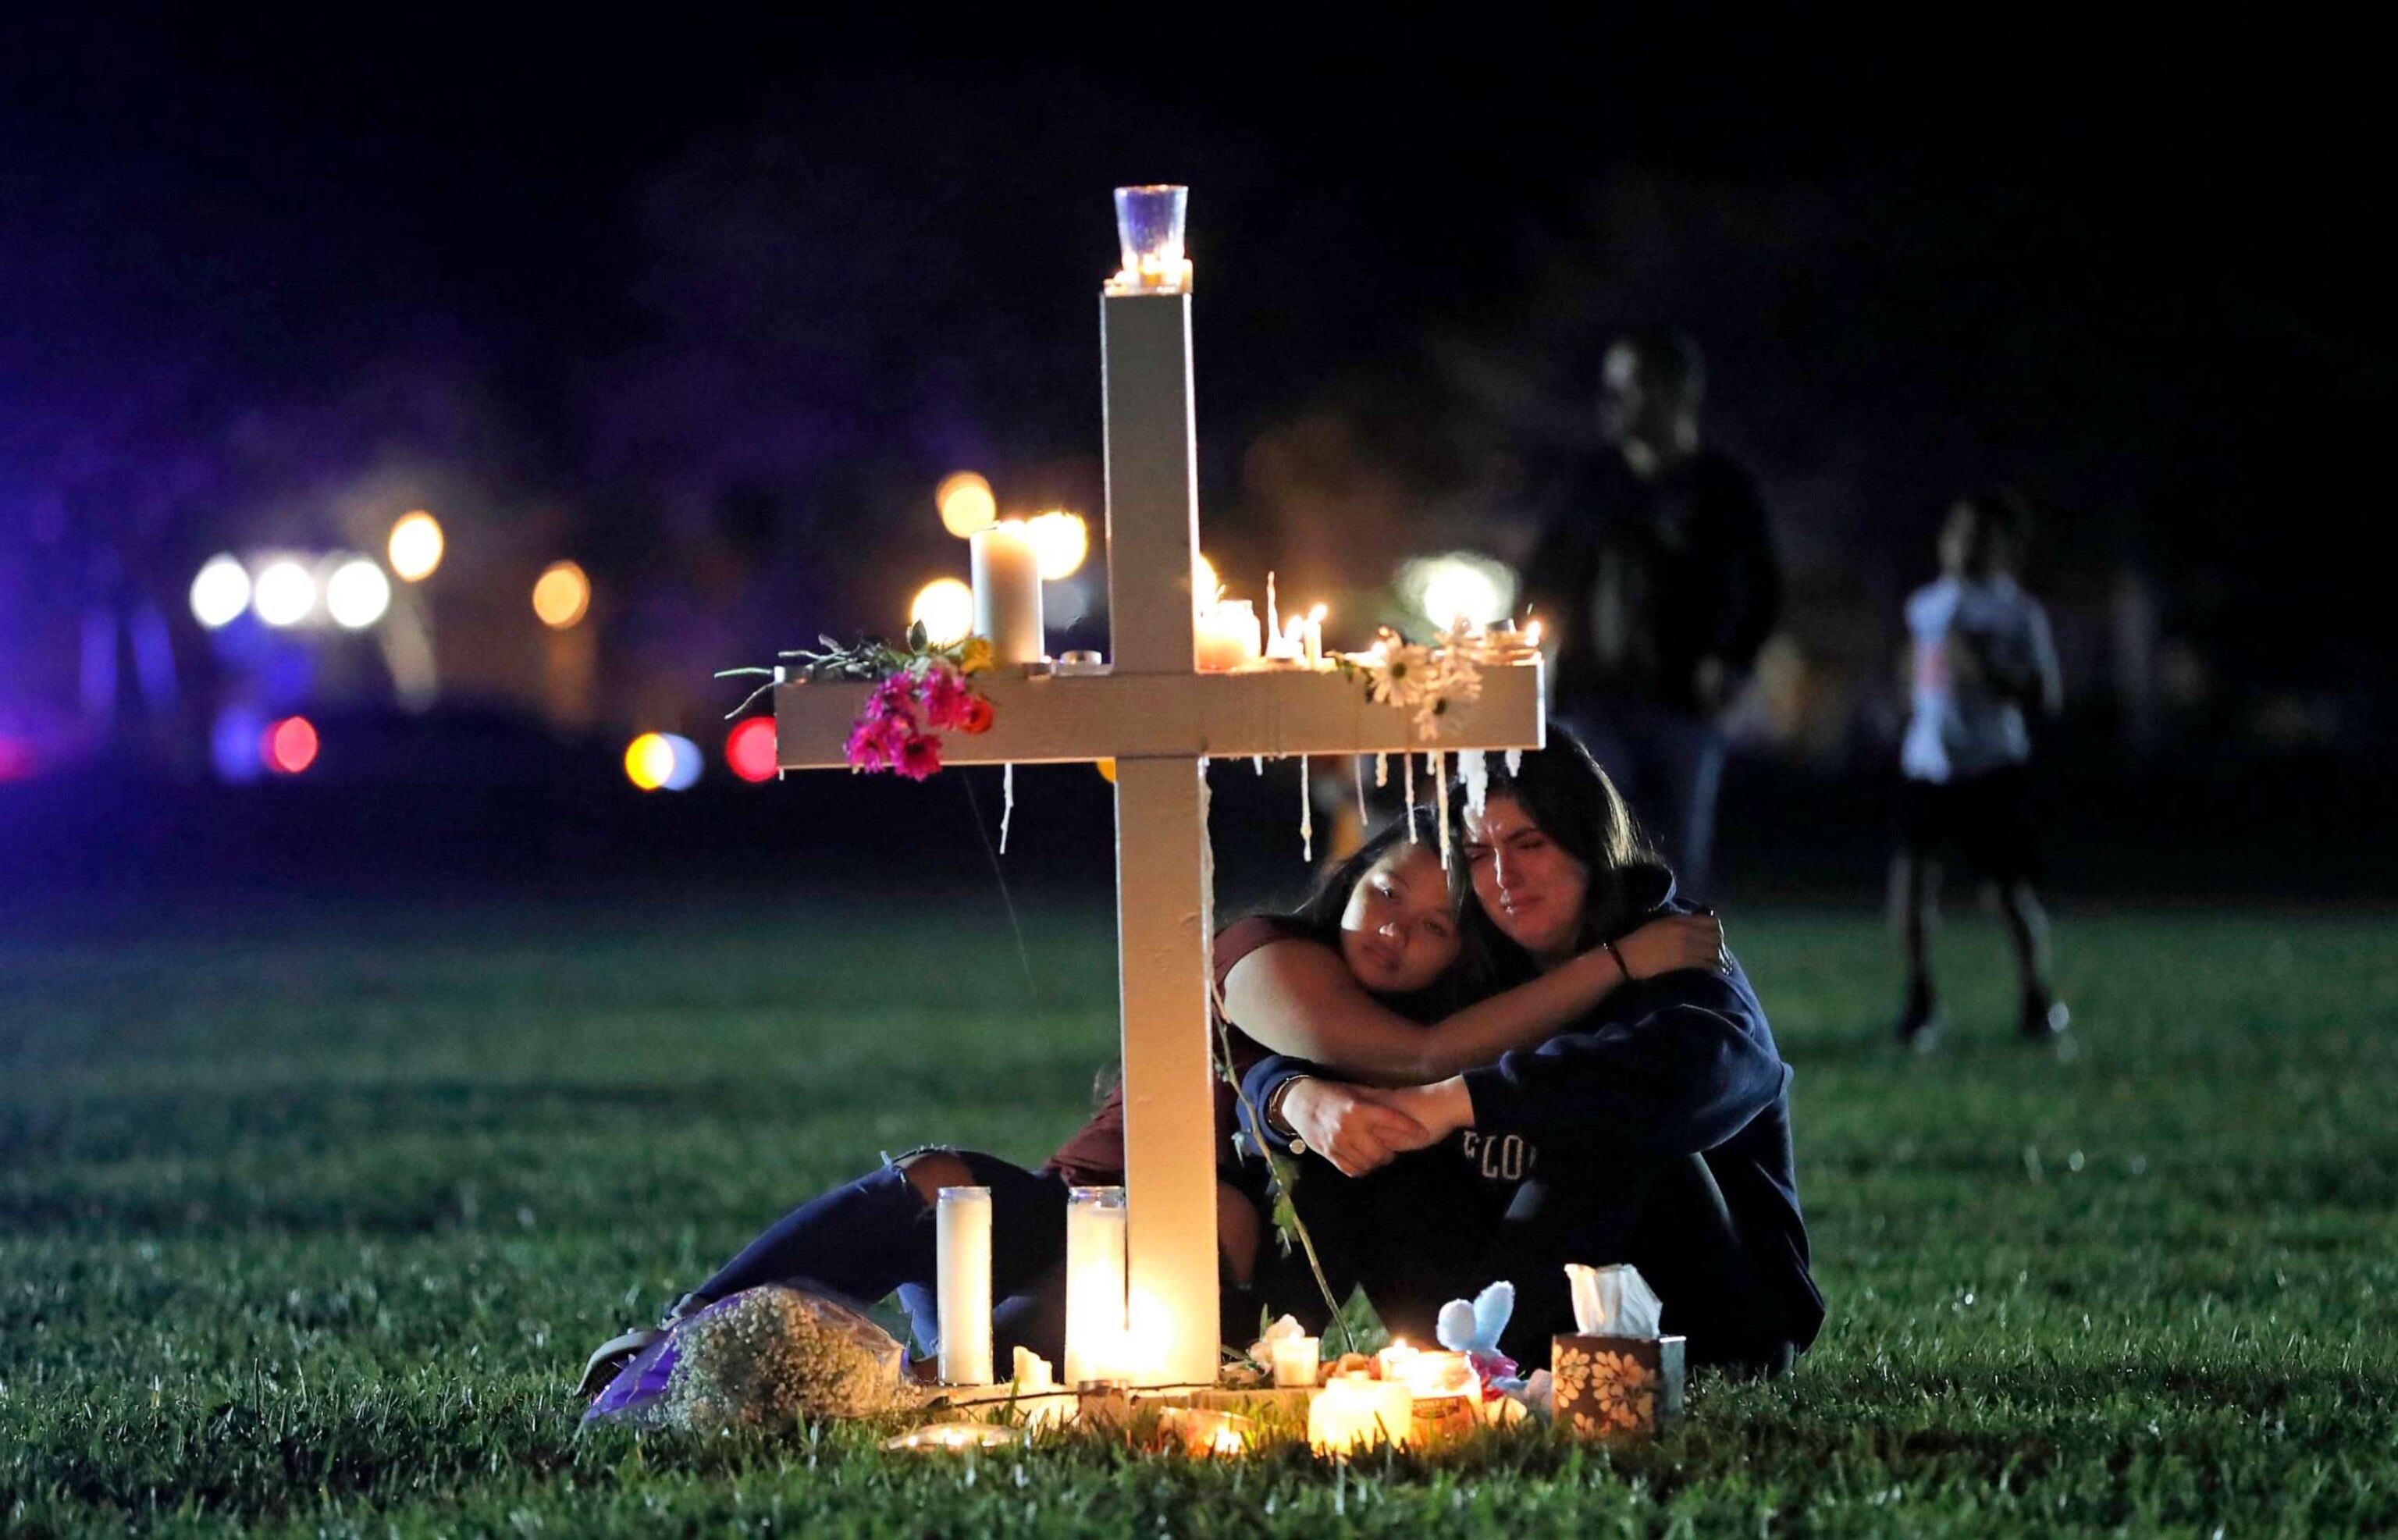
pixel 1152 526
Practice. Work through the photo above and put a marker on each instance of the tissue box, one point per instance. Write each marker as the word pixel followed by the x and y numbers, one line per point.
pixel 1616 1387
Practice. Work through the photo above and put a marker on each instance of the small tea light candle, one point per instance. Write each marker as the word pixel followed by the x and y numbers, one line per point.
pixel 962 1257
pixel 1201 1433
pixel 1391 1363
pixel 953 1436
pixel 1297 1361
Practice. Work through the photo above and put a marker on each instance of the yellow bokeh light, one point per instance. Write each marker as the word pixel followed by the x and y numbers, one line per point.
pixel 649 761
pixel 417 546
pixel 944 606
pixel 1060 540
pixel 966 503
pixel 562 596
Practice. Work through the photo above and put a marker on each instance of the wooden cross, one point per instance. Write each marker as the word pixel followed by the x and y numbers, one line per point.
pixel 1161 721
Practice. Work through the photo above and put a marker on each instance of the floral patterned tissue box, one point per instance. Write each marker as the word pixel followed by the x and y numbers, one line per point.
pixel 1616 1387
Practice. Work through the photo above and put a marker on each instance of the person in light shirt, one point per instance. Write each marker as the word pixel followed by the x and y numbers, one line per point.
pixel 1981 664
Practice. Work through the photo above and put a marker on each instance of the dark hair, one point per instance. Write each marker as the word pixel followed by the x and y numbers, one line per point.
pixel 1563 791
pixel 1319 915
pixel 1998 514
pixel 1670 357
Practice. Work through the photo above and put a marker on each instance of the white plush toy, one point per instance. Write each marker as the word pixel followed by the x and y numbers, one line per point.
pixel 1473 1330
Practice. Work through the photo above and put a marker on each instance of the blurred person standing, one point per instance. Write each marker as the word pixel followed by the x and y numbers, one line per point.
pixel 1655 574
pixel 1980 659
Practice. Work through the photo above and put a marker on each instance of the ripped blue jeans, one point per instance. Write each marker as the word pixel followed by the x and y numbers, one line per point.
pixel 873 1236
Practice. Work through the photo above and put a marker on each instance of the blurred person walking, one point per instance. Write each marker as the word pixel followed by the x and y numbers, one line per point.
pixel 1980 659
pixel 1655 572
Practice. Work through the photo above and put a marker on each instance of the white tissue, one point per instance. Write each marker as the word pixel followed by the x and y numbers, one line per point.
pixel 1612 1302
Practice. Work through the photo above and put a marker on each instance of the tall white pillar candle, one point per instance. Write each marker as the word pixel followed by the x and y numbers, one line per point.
pixel 962 1255
pixel 1094 1283
pixel 1005 567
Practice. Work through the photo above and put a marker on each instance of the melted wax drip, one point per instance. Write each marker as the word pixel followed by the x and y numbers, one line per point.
pixel 1006 803
pixel 1440 800
pixel 1306 813
pixel 1409 760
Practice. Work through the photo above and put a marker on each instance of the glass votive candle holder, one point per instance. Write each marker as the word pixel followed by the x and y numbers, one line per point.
pixel 1148 237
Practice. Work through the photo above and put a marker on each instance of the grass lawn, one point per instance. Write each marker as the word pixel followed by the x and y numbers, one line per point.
pixel 306 1223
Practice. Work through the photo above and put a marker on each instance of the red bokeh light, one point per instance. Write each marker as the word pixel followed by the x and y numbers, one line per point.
pixel 749 748
pixel 289 746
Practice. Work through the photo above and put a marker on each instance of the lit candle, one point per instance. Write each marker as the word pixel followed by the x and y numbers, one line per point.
pixel 1273 613
pixel 1201 1433
pixel 1312 638
pixel 1227 636
pixel 953 1436
pixel 1037 1394
pixel 1296 1362
pixel 1358 1411
pixel 1094 1283
pixel 1005 564
pixel 1430 1373
pixel 1391 1363
pixel 962 1254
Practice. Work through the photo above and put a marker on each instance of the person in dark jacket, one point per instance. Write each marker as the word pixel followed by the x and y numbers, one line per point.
pixel 1654 1132
pixel 1656 576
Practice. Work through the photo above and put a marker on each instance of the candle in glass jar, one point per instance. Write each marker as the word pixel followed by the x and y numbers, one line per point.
pixel 1358 1411
pixel 1391 1363
pixel 961 1258
pixel 1006 565
pixel 1433 1373
pixel 1094 1283
pixel 1297 1360
pixel 1226 637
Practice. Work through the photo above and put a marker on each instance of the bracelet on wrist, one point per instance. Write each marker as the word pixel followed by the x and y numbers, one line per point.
pixel 1621 965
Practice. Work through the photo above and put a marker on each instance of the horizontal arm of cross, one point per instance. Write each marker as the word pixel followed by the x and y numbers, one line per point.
pixel 1276 712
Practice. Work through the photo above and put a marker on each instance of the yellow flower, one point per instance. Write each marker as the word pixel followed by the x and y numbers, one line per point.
pixel 976 655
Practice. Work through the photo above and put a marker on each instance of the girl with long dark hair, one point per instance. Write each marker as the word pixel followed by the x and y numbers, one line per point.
pixel 1654 1129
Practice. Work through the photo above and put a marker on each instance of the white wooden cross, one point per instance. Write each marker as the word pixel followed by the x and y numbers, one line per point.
pixel 1161 721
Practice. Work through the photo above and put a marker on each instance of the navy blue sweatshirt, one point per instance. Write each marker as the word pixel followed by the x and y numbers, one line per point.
pixel 1683 1063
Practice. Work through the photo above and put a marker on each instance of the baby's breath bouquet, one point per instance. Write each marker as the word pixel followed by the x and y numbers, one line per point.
pixel 766 1357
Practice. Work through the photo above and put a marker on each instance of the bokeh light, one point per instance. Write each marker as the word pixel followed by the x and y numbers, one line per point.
pixel 562 596
pixel 289 746
pixel 662 762
pixel 965 503
pixel 1060 540
pixel 946 608
pixel 358 594
pixel 221 592
pixel 749 748
pixel 417 546
pixel 1442 588
pixel 284 593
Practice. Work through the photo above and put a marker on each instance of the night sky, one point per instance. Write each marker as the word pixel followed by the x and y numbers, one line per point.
pixel 752 283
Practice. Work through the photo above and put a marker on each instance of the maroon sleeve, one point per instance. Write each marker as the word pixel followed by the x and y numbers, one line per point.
pixel 1094 1156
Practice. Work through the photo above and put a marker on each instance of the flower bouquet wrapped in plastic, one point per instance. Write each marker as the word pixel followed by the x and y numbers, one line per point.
pixel 768 1355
